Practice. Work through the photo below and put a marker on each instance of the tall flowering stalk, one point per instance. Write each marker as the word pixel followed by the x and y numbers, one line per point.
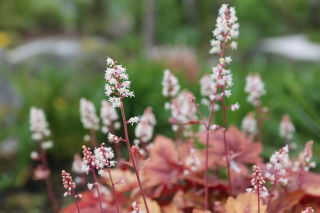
pixel 117 88
pixel 226 30
pixel 89 119
pixel 103 157
pixel 40 130
pixel 89 165
pixel 69 185
pixel 258 184
pixel 214 87
pixel 255 88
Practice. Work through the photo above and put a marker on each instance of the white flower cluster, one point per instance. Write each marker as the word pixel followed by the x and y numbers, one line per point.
pixel 192 162
pixel 88 161
pixel 170 84
pixel 133 120
pixel 136 208
pixel 103 157
pixel 255 88
pixel 304 162
pixel 222 78
pixel 38 124
pixel 182 109
pixel 208 89
pixel 144 129
pixel 118 84
pixel 88 115
pixel 108 115
pixel 249 124
pixel 258 183
pixel 277 166
pixel 226 29
pixel 286 128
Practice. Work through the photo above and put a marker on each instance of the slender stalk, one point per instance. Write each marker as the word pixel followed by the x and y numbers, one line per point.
pixel 258 193
pixel 226 148
pixel 76 200
pixel 47 179
pixel 97 188
pixel 131 155
pixel 113 190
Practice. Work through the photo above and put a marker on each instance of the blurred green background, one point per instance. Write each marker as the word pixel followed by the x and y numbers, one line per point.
pixel 52 53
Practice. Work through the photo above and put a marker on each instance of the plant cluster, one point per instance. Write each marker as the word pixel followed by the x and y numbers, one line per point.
pixel 205 168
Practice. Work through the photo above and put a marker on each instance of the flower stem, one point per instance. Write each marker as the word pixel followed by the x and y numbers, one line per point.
pixel 226 148
pixel 47 179
pixel 131 155
pixel 113 190
pixel 97 188
pixel 76 200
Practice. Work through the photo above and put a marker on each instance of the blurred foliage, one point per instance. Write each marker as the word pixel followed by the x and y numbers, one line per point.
pixel 292 87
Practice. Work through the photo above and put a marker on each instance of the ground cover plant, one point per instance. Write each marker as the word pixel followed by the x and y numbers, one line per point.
pixel 206 167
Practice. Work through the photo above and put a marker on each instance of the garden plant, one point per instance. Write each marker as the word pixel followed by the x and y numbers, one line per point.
pixel 206 167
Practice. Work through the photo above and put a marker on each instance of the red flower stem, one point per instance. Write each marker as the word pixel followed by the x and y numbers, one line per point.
pixel 113 190
pixel 131 155
pixel 93 138
pixel 97 188
pixel 76 200
pixel 259 118
pixel 226 148
pixel 258 194
pixel 47 179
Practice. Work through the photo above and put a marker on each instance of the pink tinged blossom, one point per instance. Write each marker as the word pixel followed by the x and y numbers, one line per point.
pixel 144 129
pixel 304 162
pixel 277 166
pixel 113 138
pixel 69 184
pixel 286 128
pixel 38 124
pixel 183 110
pixel 170 84
pixel 258 183
pixel 103 158
pixel 255 88
pixel 88 115
pixel 108 115
pixel 117 83
pixel 249 124
pixel 308 210
pixel 235 107
pixel 88 160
